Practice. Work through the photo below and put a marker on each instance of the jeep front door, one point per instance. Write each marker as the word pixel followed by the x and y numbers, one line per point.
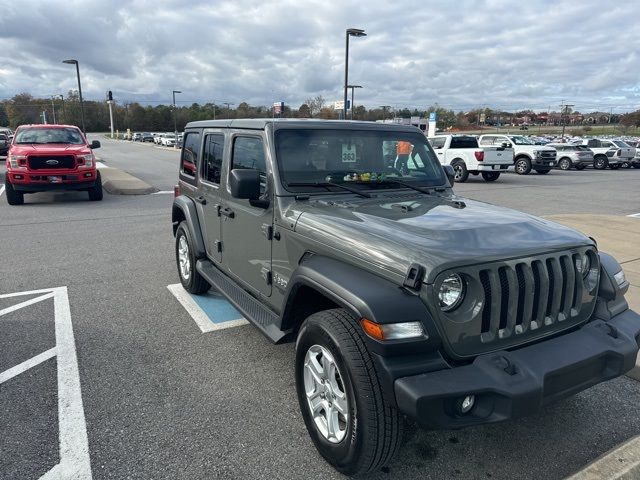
pixel 210 193
pixel 247 225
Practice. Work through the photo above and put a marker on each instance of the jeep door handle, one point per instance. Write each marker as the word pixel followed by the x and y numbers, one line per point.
pixel 201 199
pixel 227 212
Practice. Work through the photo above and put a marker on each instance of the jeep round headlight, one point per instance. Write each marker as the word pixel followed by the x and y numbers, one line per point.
pixel 451 292
pixel 583 264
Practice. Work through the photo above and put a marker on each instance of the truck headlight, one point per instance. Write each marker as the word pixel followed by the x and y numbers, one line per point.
pixel 451 292
pixel 85 160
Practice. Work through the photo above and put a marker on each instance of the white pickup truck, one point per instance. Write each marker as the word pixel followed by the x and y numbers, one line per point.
pixel 611 153
pixel 466 157
pixel 527 154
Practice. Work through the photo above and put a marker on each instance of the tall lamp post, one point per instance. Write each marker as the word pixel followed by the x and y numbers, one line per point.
pixel 75 62
pixel 175 122
pixel 351 32
pixel 353 87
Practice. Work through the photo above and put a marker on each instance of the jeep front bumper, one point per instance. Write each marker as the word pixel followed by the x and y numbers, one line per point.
pixel 512 384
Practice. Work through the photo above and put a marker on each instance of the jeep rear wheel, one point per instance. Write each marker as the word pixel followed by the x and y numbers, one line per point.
pixel 461 174
pixel 191 280
pixel 95 192
pixel 353 426
pixel 522 166
pixel 13 197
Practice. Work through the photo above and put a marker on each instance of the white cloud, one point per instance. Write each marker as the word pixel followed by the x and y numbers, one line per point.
pixel 459 54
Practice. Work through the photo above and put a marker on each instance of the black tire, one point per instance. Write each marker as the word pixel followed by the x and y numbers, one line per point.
pixel 13 197
pixel 461 174
pixel 581 166
pixel 522 166
pixel 193 282
pixel 490 176
pixel 374 429
pixel 95 192
pixel 615 166
pixel 600 162
pixel 542 172
pixel 565 163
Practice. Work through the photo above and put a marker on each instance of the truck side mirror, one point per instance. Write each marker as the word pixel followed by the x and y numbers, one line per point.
pixel 451 174
pixel 245 183
pixel 95 144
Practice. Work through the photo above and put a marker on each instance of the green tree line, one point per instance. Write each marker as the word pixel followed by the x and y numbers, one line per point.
pixel 24 108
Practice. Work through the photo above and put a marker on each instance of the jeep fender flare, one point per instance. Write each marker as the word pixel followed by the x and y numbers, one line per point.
pixel 185 209
pixel 363 293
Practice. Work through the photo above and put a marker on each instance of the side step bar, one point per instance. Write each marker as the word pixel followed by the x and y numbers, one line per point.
pixel 254 311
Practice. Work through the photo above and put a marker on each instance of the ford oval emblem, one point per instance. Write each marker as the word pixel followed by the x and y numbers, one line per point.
pixel 52 162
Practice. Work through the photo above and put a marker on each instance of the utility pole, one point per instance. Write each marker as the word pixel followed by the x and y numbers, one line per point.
pixel 563 110
pixel 228 105
pixel 53 108
pixel 110 103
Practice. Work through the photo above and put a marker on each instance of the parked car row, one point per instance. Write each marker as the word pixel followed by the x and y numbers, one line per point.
pixel 491 154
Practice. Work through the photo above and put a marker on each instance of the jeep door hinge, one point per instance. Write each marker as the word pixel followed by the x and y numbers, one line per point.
pixel 266 275
pixel 267 230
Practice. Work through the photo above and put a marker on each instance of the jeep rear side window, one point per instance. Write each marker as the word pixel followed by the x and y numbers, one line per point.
pixel 190 152
pixel 248 153
pixel 212 159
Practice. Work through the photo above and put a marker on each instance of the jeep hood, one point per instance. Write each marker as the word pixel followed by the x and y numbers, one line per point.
pixel 428 230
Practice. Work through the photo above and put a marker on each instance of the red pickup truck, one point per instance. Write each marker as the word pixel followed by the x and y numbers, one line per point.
pixel 51 157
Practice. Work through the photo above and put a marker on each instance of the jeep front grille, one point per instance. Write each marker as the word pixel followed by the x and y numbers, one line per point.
pixel 516 301
pixel 39 162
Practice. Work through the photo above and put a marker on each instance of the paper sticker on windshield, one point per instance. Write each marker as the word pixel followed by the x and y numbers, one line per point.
pixel 349 153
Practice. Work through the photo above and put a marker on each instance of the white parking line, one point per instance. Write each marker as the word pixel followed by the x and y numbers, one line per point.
pixel 1 190
pixel 74 446
pixel 101 165
pixel 199 316
pixel 163 192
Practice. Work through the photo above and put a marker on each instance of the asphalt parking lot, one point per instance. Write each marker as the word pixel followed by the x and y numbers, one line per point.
pixel 118 378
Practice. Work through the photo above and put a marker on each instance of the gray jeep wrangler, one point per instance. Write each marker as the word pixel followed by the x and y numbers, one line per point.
pixel 404 300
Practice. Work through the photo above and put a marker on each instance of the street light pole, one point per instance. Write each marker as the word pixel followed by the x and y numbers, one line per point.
pixel 75 62
pixel 175 122
pixel 353 87
pixel 351 32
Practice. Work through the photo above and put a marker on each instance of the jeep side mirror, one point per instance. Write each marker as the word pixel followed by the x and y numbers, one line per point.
pixel 95 144
pixel 245 183
pixel 451 174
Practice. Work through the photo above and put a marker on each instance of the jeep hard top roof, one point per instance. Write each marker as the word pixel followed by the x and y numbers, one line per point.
pixel 262 123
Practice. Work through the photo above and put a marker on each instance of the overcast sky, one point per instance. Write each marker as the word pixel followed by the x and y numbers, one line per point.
pixel 459 54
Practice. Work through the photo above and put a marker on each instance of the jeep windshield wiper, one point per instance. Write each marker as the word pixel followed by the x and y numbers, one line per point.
pixel 405 184
pixel 329 184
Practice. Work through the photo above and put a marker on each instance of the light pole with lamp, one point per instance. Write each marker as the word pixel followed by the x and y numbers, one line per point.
pixel 351 32
pixel 75 62
pixel 353 87
pixel 175 122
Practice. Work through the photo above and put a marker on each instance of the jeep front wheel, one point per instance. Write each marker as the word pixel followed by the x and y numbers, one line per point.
pixel 191 280
pixel 13 197
pixel 353 426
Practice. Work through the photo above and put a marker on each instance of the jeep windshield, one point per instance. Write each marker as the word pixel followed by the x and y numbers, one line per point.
pixel 49 135
pixel 312 159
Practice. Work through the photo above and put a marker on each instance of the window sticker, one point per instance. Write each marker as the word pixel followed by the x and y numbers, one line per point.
pixel 348 153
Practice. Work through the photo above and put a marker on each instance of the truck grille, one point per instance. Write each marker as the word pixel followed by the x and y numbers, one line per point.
pixel 517 301
pixel 41 162
pixel 548 154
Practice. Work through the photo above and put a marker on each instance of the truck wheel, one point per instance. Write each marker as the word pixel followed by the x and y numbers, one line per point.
pixel 490 176
pixel 353 426
pixel 580 166
pixel 13 197
pixel 523 166
pixel 600 162
pixel 191 280
pixel 95 192
pixel 564 163
pixel 461 174
pixel 542 172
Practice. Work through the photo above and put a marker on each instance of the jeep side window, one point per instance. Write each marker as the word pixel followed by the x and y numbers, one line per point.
pixel 212 158
pixel 189 158
pixel 248 152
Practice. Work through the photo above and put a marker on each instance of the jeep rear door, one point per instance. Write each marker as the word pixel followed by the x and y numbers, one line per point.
pixel 211 168
pixel 247 226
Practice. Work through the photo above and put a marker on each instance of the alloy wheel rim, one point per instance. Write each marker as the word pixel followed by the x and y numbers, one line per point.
pixel 458 172
pixel 325 392
pixel 521 166
pixel 184 263
pixel 564 164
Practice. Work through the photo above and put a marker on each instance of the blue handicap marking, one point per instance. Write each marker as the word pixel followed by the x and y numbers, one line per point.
pixel 217 308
